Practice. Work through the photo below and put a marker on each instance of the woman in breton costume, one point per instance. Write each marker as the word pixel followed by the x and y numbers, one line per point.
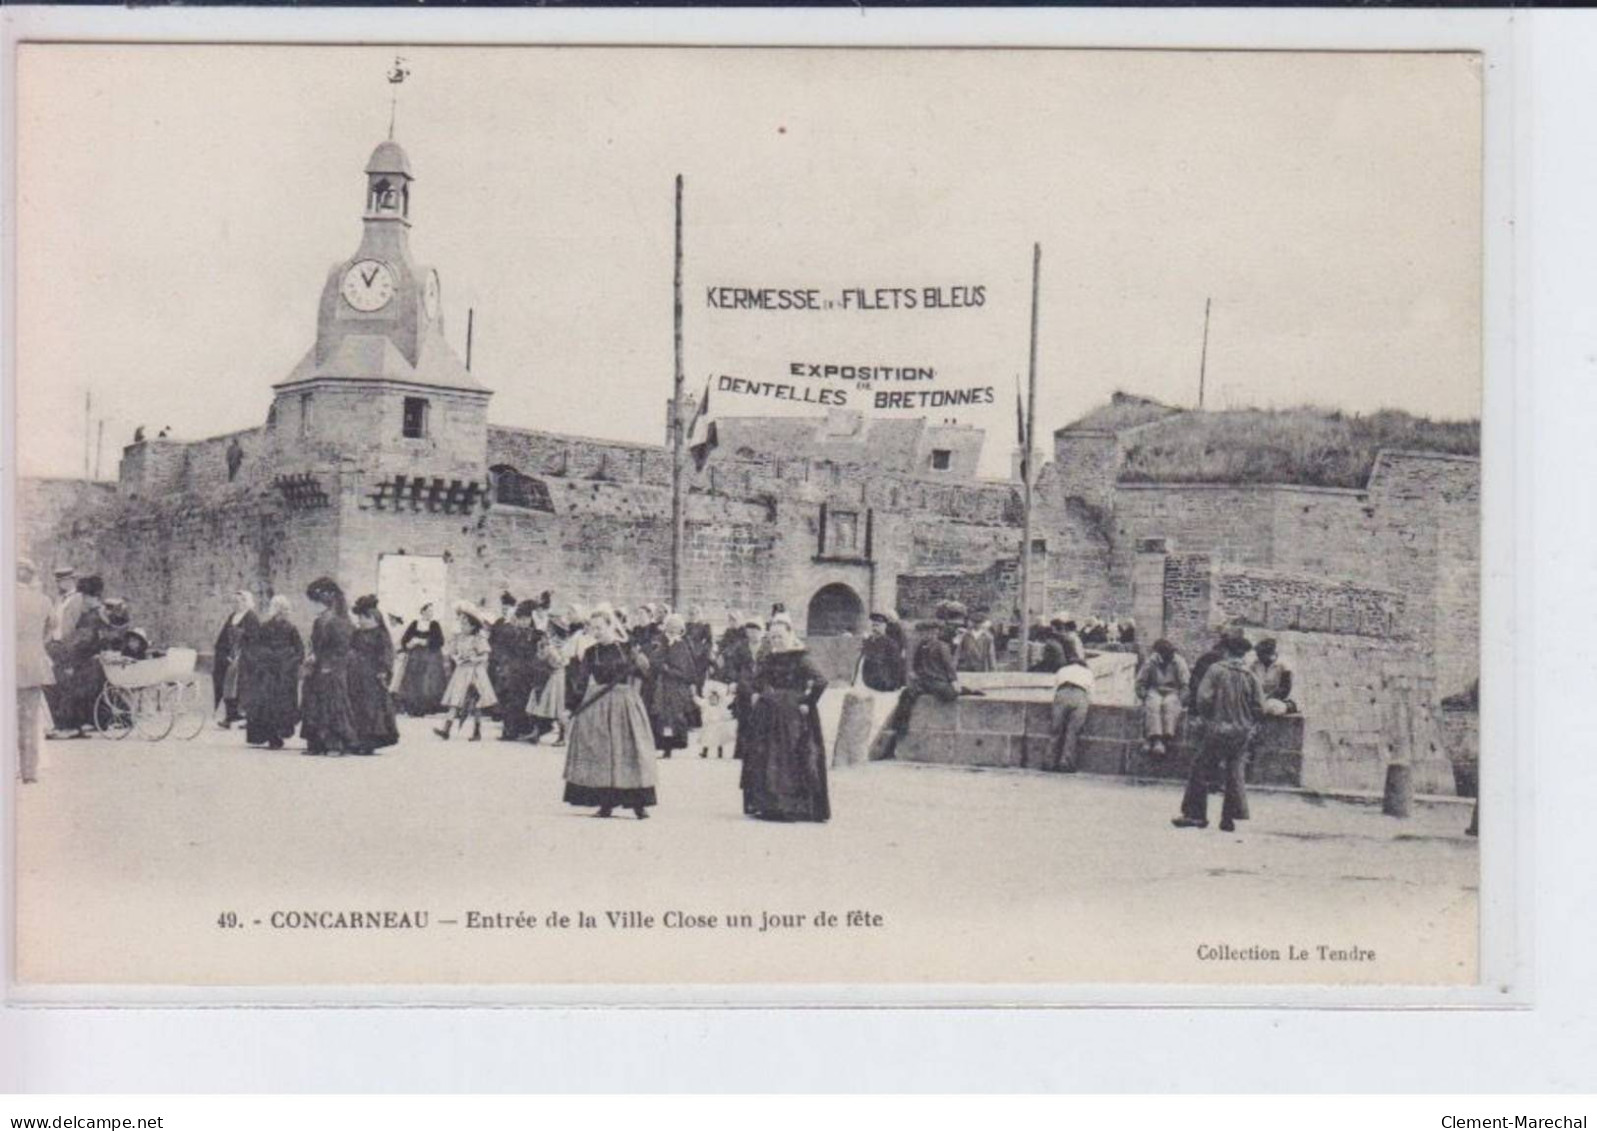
pixel 422 675
pixel 784 759
pixel 76 657
pixel 329 721
pixel 470 691
pixel 671 693
pixel 371 666
pixel 269 684
pixel 609 747
pixel 227 669
pixel 546 699
pixel 551 706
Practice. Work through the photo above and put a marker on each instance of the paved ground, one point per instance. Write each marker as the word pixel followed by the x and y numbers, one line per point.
pixel 130 852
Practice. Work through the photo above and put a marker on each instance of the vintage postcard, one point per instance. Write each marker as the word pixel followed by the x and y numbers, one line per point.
pixel 590 516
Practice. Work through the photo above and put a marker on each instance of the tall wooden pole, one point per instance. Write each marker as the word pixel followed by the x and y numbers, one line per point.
pixel 678 517
pixel 471 318
pixel 99 447
pixel 1203 358
pixel 1028 468
pixel 88 403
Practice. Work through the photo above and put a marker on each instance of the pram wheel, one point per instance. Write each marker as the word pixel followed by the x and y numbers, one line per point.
pixel 113 712
pixel 155 710
pixel 190 710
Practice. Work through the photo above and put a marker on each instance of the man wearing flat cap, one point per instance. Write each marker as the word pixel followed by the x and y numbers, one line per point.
pixel 932 670
pixel 881 666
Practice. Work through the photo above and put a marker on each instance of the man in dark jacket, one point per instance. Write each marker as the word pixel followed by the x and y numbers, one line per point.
pixel 1231 703
pixel 502 649
pixel 1200 666
pixel 881 657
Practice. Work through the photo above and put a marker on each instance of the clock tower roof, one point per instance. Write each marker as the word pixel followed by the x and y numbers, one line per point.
pixel 388 157
pixel 381 314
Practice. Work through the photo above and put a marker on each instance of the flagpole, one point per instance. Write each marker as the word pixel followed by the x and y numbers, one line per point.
pixel 1026 464
pixel 678 518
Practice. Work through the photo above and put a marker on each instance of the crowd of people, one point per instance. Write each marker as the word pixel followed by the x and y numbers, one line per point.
pixel 619 691
pixel 616 691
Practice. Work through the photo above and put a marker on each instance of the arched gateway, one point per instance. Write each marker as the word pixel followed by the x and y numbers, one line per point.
pixel 834 610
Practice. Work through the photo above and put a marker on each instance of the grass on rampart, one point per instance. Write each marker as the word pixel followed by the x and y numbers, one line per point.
pixel 1309 446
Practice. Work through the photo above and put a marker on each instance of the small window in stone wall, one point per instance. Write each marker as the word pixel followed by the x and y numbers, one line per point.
pixel 1039 545
pixel 415 426
pixel 305 414
pixel 513 489
pixel 942 459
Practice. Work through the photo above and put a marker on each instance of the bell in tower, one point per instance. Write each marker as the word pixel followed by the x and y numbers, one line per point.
pixel 388 184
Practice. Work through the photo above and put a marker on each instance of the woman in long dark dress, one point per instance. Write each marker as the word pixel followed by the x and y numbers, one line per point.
pixel 371 666
pixel 78 675
pixel 425 675
pixel 329 724
pixel 784 760
pixel 269 685
pixel 738 667
pixel 227 664
pixel 609 747
pixel 673 710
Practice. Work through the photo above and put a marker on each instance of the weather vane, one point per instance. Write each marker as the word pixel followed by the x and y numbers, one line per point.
pixel 396 75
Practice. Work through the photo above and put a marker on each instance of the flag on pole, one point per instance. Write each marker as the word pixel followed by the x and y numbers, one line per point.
pixel 1023 439
pixel 702 437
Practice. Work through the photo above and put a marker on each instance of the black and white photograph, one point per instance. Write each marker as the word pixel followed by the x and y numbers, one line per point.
pixel 594 516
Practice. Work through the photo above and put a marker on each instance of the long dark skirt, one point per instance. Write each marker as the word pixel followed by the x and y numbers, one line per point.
pixel 272 703
pixel 784 761
pixel 421 689
pixel 329 724
pixel 517 681
pixel 78 682
pixel 371 707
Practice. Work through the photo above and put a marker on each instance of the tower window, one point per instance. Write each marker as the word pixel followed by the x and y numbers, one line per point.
pixel 415 427
pixel 305 414
pixel 942 459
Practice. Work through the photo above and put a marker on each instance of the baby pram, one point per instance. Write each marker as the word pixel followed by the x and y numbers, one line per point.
pixel 157 696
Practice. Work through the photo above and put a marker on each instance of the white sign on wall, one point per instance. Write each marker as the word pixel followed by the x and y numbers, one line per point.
pixel 406 582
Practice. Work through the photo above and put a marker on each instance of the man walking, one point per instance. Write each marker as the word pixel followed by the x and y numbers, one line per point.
pixel 1231 703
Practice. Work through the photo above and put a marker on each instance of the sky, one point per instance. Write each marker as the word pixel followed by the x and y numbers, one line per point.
pixel 179 208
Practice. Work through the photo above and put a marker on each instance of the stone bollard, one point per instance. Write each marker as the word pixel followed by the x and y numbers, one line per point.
pixel 1399 797
pixel 855 728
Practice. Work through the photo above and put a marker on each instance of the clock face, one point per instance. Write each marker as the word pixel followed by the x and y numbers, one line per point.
pixel 429 295
pixel 368 285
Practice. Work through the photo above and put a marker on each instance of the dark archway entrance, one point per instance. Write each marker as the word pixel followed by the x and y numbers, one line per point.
pixel 835 610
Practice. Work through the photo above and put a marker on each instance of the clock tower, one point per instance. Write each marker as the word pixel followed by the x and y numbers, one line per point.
pixel 381 388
